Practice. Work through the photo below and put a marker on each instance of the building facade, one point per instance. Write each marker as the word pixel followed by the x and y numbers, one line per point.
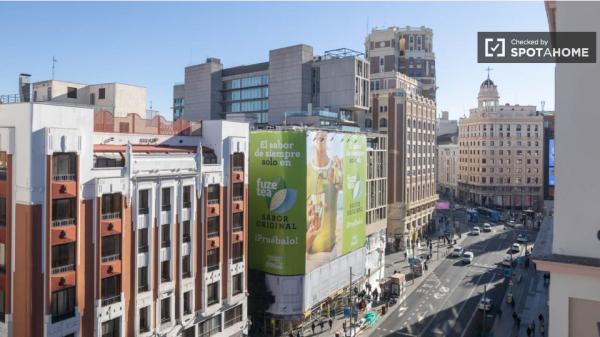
pixel 117 226
pixel 569 250
pixel 293 79
pixel 447 170
pixel 409 121
pixel 408 50
pixel 501 153
pixel 549 163
pixel 117 98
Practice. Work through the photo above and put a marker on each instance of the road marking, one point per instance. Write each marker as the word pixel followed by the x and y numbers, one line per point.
pixel 401 311
pixel 476 308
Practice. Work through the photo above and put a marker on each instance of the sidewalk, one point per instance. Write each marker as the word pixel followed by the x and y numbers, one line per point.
pixel 531 300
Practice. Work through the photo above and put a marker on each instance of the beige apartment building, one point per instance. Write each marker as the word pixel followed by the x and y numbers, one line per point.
pixel 570 250
pixel 447 170
pixel 501 153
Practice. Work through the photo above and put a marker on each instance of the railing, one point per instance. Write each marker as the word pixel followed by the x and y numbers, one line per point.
pixel 63 222
pixel 111 300
pixel 111 215
pixel 238 198
pixel 238 167
pixel 213 201
pixel 187 238
pixel 237 259
pixel 165 278
pixel 104 121
pixel 237 228
pixel 7 99
pixel 143 210
pixel 110 258
pixel 165 243
pixel 63 316
pixel 165 208
pixel 142 288
pixel 63 269
pixel 187 204
pixel 64 177
pixel 186 274
pixel 213 234
pixel 213 267
pixel 143 249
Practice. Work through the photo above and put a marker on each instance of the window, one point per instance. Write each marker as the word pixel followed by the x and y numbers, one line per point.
pixel 186 231
pixel 111 247
pixel 238 161
pixel 212 291
pixel 368 123
pixel 63 212
pixel 238 221
pixel 210 327
pixel 212 259
pixel 112 328
pixel 383 123
pixel 165 271
pixel 238 191
pixel 237 252
pixel 186 268
pixel 111 206
pixel 166 199
pixel 212 227
pixel 165 310
pixel 187 303
pixel 144 321
pixel 187 196
pixel 2 259
pixel 63 304
pixel 111 290
pixel 237 281
pixel 233 315
pixel 143 240
pixel 63 166
pixel 143 202
pixel 71 92
pixel 108 159
pixel 102 93
pixel 143 279
pixel 165 231
pixel 213 194
pixel 63 257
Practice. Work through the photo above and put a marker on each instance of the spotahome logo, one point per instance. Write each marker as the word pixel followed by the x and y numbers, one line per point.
pixel 536 47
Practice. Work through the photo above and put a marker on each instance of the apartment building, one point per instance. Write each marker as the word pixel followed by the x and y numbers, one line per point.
pixel 568 248
pixel 409 121
pixel 446 126
pixel 408 50
pixel 447 170
pixel 120 226
pixel 293 79
pixel 117 98
pixel 501 153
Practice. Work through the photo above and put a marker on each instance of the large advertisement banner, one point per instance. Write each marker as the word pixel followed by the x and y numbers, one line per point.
pixel 277 188
pixel 355 192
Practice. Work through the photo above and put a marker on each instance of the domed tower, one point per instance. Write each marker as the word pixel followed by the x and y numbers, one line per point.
pixel 488 94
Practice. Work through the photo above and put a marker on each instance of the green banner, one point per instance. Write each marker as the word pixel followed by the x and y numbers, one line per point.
pixel 277 189
pixel 355 191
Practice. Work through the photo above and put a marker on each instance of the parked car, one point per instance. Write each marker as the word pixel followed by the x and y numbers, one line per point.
pixel 487 227
pixel 467 257
pixel 522 238
pixel 457 251
pixel 507 261
pixel 485 304
pixel 515 247
pixel 476 230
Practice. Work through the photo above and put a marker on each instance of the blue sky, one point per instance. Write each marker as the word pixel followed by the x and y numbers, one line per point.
pixel 149 44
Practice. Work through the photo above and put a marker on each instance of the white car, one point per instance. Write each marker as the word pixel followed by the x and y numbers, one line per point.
pixel 476 230
pixel 507 261
pixel 515 247
pixel 457 251
pixel 467 257
pixel 522 238
pixel 487 227
pixel 485 304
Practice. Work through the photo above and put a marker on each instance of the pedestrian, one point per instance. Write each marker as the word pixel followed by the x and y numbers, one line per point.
pixel 500 313
pixel 528 332
pixel 313 327
pixel 298 333
pixel 344 326
pixel 321 325
pixel 518 322
pixel 541 318
pixel 330 323
pixel 533 326
pixel 542 329
pixel 514 316
pixel 512 304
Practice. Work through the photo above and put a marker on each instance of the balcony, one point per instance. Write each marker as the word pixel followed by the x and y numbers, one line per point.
pixel 143 249
pixel 237 259
pixel 63 316
pixel 111 215
pixel 110 258
pixel 64 177
pixel 187 204
pixel 212 267
pixel 213 201
pixel 63 269
pixel 237 228
pixel 187 238
pixel 165 243
pixel 143 288
pixel 143 210
pixel 213 234
pixel 111 300
pixel 237 198
pixel 165 208
pixel 63 222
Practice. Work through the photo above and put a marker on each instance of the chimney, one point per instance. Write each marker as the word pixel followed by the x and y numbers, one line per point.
pixel 25 87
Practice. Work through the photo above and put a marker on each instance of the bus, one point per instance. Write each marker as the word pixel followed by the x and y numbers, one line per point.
pixel 490 213
pixel 472 215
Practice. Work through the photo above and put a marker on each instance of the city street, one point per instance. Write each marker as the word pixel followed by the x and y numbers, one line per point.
pixel 445 304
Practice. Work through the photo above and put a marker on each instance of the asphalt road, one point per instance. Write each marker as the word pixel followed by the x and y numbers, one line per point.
pixel 445 304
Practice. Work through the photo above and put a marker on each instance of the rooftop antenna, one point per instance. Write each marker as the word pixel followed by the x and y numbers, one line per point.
pixel 54 61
